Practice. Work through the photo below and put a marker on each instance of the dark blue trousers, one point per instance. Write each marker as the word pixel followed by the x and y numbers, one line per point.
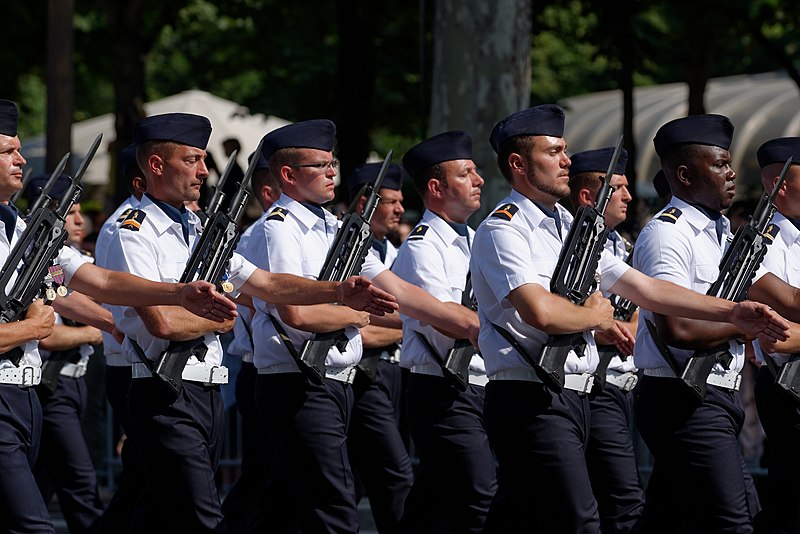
pixel 611 461
pixel 131 482
pixel 245 502
pixel 540 440
pixel 179 446
pixel 780 417
pixel 65 466
pixel 456 478
pixel 698 479
pixel 310 476
pixel 378 455
pixel 22 508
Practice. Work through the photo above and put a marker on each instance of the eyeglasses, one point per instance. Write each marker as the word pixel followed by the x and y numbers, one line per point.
pixel 318 166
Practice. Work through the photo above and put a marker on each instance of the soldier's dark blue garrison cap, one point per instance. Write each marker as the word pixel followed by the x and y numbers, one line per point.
pixel 183 128
pixel 260 164
pixel 34 187
pixel 712 130
pixel 597 161
pixel 544 119
pixel 368 173
pixel 319 134
pixel 779 150
pixel 127 160
pixel 9 118
pixel 446 146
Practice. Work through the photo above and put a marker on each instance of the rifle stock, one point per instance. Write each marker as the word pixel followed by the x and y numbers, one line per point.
pixel 344 259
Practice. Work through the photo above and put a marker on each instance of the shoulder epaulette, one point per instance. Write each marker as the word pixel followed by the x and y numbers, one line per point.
pixel 506 211
pixel 418 232
pixel 134 220
pixel 278 214
pixel 771 232
pixel 123 215
pixel 670 216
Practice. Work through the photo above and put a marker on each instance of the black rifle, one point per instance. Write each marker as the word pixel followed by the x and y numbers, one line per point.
pixel 575 277
pixel 736 271
pixel 352 244
pixel 218 197
pixel 34 254
pixel 44 194
pixel 208 262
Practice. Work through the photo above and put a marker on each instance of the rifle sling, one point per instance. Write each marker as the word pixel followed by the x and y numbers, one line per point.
pixel 287 342
pixel 142 356
pixel 663 349
pixel 515 344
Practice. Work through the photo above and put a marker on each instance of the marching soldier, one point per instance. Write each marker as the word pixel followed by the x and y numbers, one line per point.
pixel 539 435
pixel 307 422
pixel 377 450
pixel 21 505
pixel 456 464
pixel 609 453
pixel 179 439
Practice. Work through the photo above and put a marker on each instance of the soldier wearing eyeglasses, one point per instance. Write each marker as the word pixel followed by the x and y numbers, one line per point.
pixel 308 422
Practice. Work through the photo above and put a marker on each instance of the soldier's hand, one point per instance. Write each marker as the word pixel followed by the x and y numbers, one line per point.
pixel 359 293
pixel 363 319
pixel 603 310
pixel 225 326
pixel 756 319
pixel 202 299
pixel 42 317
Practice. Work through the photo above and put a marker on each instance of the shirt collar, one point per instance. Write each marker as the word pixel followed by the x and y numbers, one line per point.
pixel 303 215
pixel 696 218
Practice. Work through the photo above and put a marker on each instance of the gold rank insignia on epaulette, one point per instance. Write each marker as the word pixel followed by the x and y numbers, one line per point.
pixel 418 232
pixel 670 216
pixel 771 232
pixel 134 220
pixel 506 211
pixel 278 214
pixel 123 215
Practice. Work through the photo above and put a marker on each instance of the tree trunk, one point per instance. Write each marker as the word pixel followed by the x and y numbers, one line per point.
pixel 481 74
pixel 355 84
pixel 128 78
pixel 60 89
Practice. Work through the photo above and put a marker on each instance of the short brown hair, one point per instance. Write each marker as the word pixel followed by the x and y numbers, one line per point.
pixel 520 144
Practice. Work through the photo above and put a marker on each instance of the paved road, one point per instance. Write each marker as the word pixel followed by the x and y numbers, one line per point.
pixel 367 526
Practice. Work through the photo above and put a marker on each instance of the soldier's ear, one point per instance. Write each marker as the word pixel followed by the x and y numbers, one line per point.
pixel 586 197
pixel 155 164
pixel 436 187
pixel 515 162
pixel 683 176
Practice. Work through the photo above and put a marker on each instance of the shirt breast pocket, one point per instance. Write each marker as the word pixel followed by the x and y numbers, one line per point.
pixel 544 270
pixel 704 276
pixel 312 267
pixel 457 281
pixel 171 271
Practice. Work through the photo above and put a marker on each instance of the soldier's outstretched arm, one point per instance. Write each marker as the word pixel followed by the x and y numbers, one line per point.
pixel 356 292
pixel 113 287
pixel 750 318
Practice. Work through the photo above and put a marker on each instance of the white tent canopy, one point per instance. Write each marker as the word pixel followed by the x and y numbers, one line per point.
pixel 228 119
pixel 761 107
